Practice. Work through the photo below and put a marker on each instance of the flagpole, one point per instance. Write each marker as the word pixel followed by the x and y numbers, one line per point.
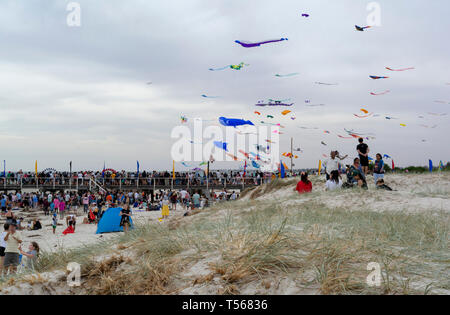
pixel 70 175
pixel 173 172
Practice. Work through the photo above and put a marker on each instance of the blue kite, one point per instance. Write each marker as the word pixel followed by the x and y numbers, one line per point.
pixel 234 122
pixel 221 145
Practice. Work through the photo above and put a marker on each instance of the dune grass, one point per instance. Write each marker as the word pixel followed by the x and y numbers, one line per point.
pixel 322 248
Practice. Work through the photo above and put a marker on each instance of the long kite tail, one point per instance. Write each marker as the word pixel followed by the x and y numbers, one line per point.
pixel 272 41
pixel 219 69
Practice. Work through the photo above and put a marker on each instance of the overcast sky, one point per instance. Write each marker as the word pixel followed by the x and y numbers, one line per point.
pixel 80 93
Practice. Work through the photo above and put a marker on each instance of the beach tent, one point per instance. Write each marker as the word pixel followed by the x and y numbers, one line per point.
pixel 110 221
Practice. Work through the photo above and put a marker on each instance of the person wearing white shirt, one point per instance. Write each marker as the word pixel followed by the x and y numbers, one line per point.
pixel 334 182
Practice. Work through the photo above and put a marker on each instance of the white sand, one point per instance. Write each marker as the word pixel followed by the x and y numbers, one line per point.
pixel 84 233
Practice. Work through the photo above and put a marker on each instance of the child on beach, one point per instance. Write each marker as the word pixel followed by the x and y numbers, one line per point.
pixel 54 222
pixel 31 255
pixel 165 207
pixel 382 185
pixel 304 185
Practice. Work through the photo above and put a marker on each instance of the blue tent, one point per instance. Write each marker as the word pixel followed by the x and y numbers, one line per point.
pixel 110 221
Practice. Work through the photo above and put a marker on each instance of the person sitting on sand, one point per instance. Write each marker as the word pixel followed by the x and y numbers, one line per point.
pixel 304 185
pixel 355 175
pixel 91 216
pixel 31 255
pixel 36 225
pixel 378 168
pixel 382 185
pixel 334 182
pixel 71 220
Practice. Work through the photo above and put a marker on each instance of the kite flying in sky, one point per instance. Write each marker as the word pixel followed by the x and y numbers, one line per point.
pixel 206 96
pixel 233 67
pixel 315 105
pixel 221 145
pixel 377 78
pixel 361 29
pixel 275 103
pixel 305 14
pixel 285 112
pixel 382 93
pixel 232 122
pixel 249 45
pixel 323 83
pixel 286 75
pixel 405 69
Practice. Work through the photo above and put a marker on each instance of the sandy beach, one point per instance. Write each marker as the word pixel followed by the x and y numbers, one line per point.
pixel 416 197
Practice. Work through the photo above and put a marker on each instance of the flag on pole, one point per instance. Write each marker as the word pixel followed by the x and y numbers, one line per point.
pixel 320 167
pixel 245 168
pixel 430 165
pixel 104 169
pixel 282 170
pixel 35 168
pixel 137 162
pixel 4 168
pixel 393 165
pixel 441 166
pixel 173 169
pixel 70 167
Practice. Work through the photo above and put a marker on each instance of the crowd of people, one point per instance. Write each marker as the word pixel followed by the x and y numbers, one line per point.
pixel 67 206
pixel 356 173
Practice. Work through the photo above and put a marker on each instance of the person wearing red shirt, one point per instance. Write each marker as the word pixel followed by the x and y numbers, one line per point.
pixel 304 185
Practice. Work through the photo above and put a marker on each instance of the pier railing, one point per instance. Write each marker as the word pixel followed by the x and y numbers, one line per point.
pixel 129 183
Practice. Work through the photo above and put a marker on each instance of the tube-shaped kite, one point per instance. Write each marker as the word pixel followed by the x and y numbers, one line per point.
pixel 377 77
pixel 286 75
pixel 405 69
pixel 257 44
pixel 382 93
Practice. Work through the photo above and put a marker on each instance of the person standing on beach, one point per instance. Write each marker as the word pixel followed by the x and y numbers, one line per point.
pixel 363 151
pixel 332 164
pixel 54 222
pixel 85 203
pixel 13 239
pixel 3 246
pixel 125 213
pixel 196 200
pixel 56 204
pixel 62 208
